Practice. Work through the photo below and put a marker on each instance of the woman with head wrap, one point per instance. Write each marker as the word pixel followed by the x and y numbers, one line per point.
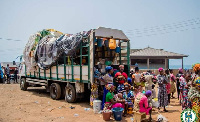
pixel 110 101
pixel 128 96
pixel 141 103
pixel 162 91
pixel 106 79
pixel 129 80
pixel 194 92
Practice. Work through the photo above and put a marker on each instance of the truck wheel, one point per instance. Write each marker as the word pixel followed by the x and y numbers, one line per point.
pixel 23 84
pixel 70 95
pixel 55 91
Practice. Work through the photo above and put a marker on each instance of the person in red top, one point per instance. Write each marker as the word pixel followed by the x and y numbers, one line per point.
pixel 121 78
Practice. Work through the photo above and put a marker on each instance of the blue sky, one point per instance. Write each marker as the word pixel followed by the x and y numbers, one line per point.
pixel 173 25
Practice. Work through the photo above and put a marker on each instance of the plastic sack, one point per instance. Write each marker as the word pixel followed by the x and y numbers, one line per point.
pixel 45 47
pixel 155 103
pixel 161 118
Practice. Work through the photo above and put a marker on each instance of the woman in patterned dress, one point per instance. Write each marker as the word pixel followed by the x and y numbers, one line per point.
pixel 172 83
pixel 194 92
pixel 168 85
pixel 184 87
pixel 162 91
pixel 110 99
pixel 128 96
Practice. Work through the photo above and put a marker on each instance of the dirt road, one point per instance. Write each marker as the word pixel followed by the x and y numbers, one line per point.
pixel 35 105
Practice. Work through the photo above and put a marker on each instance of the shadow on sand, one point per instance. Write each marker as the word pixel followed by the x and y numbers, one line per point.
pixel 41 92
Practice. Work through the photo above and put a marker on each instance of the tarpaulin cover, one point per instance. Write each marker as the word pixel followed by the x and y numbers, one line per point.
pixel 45 47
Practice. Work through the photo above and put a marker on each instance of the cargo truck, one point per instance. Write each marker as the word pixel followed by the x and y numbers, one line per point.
pixel 71 76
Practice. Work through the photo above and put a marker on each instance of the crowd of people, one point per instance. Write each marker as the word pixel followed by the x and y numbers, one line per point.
pixel 120 91
pixel 5 75
pixel 136 92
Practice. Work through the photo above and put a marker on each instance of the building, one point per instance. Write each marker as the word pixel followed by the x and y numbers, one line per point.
pixel 123 54
pixel 151 58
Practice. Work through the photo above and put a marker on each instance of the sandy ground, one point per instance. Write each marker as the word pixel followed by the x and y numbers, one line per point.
pixel 36 105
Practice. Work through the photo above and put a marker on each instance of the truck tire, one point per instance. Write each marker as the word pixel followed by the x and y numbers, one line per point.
pixel 55 91
pixel 70 94
pixel 23 84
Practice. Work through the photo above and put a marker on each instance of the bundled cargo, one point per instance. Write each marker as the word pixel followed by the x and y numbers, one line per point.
pixel 45 47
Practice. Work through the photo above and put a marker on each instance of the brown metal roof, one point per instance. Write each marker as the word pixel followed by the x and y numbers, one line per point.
pixel 103 32
pixel 152 52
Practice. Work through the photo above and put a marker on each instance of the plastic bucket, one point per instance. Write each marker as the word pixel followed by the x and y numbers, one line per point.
pixel 118 113
pixel 106 116
pixel 108 63
pixel 99 42
pixel 96 106
pixel 117 50
pixel 106 43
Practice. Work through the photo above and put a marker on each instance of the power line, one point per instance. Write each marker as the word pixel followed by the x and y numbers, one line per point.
pixel 9 39
pixel 186 25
